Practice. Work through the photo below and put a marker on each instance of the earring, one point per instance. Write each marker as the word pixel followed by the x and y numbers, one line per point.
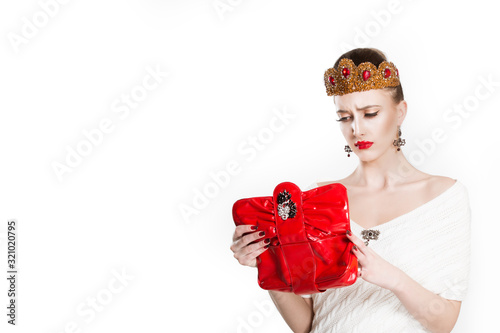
pixel 348 150
pixel 399 142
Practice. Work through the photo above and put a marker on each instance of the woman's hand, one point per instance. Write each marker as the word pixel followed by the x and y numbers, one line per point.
pixel 374 269
pixel 245 252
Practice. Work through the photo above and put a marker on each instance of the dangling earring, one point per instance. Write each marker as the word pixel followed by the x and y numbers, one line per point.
pixel 348 150
pixel 399 142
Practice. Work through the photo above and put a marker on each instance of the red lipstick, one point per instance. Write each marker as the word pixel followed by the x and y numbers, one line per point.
pixel 363 144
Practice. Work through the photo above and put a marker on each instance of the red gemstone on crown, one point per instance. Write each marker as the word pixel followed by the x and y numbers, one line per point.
pixel 346 72
pixel 387 73
pixel 366 75
pixel 397 72
pixel 332 80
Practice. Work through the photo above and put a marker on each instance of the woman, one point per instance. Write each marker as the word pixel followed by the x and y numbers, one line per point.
pixel 414 266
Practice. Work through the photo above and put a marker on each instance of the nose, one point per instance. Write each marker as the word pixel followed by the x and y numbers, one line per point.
pixel 358 129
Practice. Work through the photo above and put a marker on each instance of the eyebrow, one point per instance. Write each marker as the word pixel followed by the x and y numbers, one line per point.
pixel 363 108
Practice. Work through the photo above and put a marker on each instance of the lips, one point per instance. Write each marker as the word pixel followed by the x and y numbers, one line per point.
pixel 363 144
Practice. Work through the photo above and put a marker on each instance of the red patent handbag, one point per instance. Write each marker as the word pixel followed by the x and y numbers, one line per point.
pixel 309 251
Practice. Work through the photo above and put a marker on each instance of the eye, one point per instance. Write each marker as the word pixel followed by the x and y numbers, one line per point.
pixel 343 119
pixel 371 114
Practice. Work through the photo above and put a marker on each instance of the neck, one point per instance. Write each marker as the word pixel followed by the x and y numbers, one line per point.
pixel 386 172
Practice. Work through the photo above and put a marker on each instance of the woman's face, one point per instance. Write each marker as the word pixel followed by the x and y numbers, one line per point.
pixel 369 121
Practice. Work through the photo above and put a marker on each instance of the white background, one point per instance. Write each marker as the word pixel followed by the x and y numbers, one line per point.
pixel 230 70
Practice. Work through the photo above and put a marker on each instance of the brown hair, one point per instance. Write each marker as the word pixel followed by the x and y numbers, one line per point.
pixel 375 56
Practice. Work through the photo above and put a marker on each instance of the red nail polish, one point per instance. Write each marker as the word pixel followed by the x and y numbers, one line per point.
pixel 267 240
pixel 266 246
pixel 254 227
pixel 262 233
pixel 348 232
pixel 354 247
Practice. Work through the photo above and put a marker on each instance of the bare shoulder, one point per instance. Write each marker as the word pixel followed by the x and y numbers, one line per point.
pixel 331 182
pixel 433 186
pixel 436 185
pixel 323 183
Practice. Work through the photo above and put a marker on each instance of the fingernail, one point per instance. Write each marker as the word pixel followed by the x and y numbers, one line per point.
pixel 266 246
pixel 348 232
pixel 254 227
pixel 262 233
pixel 267 240
pixel 354 247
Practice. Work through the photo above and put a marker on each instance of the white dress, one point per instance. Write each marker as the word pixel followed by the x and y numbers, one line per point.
pixel 430 243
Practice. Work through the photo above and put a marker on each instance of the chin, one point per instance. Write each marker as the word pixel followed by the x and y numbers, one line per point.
pixel 367 157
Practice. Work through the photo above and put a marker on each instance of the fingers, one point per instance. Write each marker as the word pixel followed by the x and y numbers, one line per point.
pixel 248 254
pixel 249 236
pixel 359 248
pixel 250 248
pixel 248 244
pixel 242 229
pixel 359 244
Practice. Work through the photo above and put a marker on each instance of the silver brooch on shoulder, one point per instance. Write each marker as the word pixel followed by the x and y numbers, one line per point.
pixel 286 207
pixel 369 235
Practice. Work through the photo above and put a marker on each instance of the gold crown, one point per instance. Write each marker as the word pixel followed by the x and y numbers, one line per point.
pixel 348 77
